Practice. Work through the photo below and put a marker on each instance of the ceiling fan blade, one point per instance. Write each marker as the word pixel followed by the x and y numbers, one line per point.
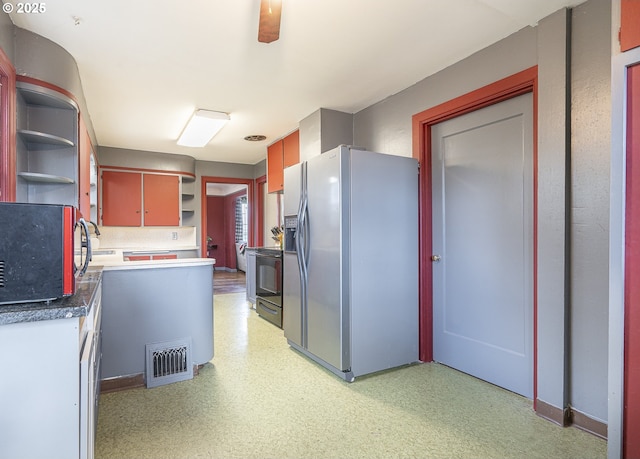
pixel 269 27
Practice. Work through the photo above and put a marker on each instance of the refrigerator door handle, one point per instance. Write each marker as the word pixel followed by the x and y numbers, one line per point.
pixel 301 251
pixel 304 218
pixel 307 236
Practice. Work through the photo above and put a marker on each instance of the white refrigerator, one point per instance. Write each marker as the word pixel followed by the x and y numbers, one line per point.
pixel 350 268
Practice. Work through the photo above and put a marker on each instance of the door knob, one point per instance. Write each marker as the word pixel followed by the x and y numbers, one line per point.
pixel 435 258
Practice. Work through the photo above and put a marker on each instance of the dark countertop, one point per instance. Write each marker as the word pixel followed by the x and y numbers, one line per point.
pixel 267 250
pixel 76 305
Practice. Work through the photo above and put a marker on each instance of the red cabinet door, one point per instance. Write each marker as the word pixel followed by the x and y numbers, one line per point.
pixel 161 200
pixel 168 256
pixel 121 198
pixel 84 173
pixel 629 20
pixel 291 147
pixel 137 258
pixel 275 172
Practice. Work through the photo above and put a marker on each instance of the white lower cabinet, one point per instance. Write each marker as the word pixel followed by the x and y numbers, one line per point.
pixel 90 360
pixel 49 386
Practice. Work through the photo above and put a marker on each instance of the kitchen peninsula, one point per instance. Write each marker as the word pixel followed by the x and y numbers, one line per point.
pixel 153 302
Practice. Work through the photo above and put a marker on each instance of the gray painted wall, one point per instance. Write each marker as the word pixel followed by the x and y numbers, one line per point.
pixel 553 148
pixel 260 169
pixel 324 130
pixel 6 36
pixel 386 127
pixel 40 58
pixel 123 157
pixel 590 154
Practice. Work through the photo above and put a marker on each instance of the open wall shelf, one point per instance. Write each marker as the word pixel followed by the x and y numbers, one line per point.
pixel 47 146
pixel 45 178
pixel 42 140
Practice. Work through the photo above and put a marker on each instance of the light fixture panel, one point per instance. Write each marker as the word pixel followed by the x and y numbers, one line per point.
pixel 202 127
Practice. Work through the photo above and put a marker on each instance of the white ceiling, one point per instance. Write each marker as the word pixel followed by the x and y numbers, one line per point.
pixel 146 65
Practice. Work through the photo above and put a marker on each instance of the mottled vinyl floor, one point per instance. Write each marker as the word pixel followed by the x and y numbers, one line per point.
pixel 258 398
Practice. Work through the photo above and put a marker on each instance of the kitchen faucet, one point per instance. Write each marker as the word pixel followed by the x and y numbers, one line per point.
pixel 96 228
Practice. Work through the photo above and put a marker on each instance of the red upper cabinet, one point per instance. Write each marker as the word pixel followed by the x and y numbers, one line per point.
pixel 161 200
pixel 84 173
pixel 140 199
pixel 291 149
pixel 275 174
pixel 283 153
pixel 629 24
pixel 121 198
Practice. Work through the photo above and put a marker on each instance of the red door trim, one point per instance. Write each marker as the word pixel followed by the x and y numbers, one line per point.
pixel 259 215
pixel 520 83
pixel 7 129
pixel 631 414
pixel 203 207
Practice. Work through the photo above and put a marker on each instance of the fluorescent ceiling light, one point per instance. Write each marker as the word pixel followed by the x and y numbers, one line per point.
pixel 203 125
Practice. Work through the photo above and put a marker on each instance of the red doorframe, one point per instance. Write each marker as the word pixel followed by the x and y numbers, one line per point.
pixel 259 214
pixel 203 207
pixel 631 412
pixel 7 129
pixel 520 83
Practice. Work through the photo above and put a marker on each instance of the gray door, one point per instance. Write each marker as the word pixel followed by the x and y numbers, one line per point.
pixel 483 233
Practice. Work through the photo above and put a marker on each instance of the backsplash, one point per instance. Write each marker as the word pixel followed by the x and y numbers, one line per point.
pixel 158 237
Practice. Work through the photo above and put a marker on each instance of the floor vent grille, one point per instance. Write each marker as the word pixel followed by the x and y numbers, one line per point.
pixel 1 273
pixel 169 362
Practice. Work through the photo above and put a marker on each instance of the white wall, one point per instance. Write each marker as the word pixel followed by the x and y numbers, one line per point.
pixel 272 215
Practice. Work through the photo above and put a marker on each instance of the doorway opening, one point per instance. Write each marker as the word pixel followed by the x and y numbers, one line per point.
pixel 227 229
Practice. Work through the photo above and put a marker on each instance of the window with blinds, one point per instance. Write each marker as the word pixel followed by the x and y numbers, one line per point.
pixel 242 225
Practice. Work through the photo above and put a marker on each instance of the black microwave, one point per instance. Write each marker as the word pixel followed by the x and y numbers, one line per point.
pixel 38 250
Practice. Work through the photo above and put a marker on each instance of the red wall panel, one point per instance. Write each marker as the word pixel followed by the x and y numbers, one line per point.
pixel 216 228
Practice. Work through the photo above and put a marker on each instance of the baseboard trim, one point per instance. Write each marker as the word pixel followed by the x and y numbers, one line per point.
pixel 119 383
pixel 571 417
pixel 588 424
pixel 552 413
